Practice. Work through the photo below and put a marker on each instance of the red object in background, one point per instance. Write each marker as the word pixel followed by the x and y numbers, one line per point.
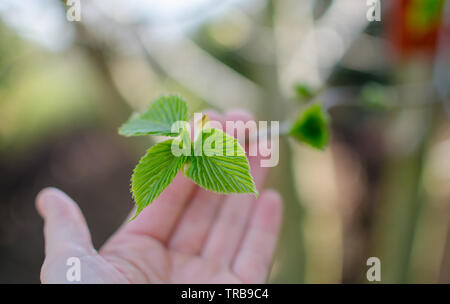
pixel 413 26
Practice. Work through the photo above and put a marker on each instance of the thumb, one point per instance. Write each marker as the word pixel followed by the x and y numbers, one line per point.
pixel 65 228
pixel 68 242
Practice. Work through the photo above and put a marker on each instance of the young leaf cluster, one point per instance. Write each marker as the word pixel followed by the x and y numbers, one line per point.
pixel 206 160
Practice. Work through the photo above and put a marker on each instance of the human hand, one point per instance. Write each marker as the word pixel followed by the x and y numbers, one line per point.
pixel 188 235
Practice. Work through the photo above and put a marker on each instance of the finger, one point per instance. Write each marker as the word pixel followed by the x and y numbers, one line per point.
pixel 254 257
pixel 215 121
pixel 195 223
pixel 65 226
pixel 68 243
pixel 215 116
pixel 233 216
pixel 242 116
pixel 159 219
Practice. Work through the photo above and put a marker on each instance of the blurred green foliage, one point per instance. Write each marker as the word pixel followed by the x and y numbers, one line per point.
pixel 312 127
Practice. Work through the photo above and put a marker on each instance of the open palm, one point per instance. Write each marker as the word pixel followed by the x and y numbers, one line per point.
pixel 188 235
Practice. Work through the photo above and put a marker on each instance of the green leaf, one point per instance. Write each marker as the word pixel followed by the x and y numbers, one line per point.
pixel 154 172
pixel 216 161
pixel 303 91
pixel 221 165
pixel 312 127
pixel 158 119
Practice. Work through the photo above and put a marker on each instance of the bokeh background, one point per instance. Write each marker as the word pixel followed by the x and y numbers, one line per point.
pixel 381 188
